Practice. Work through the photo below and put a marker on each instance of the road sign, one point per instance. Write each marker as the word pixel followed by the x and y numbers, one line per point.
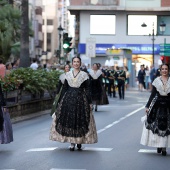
pixel 91 47
pixel 167 54
pixel 165 45
pixel 165 50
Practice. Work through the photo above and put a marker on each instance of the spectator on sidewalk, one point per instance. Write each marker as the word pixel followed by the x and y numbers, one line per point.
pixel 8 68
pixel 152 73
pixel 158 71
pixel 141 77
pixel 147 77
pixel 34 64
pixel 2 69
pixel 15 64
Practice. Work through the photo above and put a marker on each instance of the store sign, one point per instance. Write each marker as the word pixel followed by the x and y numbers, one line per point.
pixel 114 52
pixel 90 47
pixel 136 48
pixel 165 50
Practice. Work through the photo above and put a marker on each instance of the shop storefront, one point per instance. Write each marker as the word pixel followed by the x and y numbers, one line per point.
pixel 141 55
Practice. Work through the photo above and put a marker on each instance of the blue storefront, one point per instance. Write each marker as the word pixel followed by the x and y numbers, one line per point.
pixel 137 49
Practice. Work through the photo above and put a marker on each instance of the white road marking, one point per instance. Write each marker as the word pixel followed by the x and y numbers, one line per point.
pixel 41 149
pixel 65 169
pixel 85 148
pixel 120 104
pixel 147 151
pixel 98 149
pixel 7 169
pixel 118 121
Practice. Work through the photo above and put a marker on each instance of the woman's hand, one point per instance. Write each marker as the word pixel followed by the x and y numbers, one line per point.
pixel 147 110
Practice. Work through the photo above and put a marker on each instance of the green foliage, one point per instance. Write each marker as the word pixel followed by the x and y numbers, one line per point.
pixel 9 28
pixel 9 83
pixel 33 81
pixel 15 49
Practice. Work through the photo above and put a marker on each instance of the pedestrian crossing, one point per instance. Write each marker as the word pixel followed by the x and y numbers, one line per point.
pixel 147 151
pixel 51 169
pixel 55 148
pixel 95 149
pixel 41 149
pixel 66 169
pixel 7 169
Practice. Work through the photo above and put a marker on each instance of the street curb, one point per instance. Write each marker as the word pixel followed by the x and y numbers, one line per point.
pixel 30 116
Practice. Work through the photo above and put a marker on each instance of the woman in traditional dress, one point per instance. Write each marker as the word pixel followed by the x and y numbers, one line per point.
pixel 59 88
pixel 74 121
pixel 6 133
pixel 96 86
pixel 156 130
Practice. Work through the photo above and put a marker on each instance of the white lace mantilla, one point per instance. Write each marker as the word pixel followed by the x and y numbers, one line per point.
pixel 78 80
pixel 162 89
pixel 95 75
pixel 62 77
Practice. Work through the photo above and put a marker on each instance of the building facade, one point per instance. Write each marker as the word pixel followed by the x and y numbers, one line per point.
pixel 118 24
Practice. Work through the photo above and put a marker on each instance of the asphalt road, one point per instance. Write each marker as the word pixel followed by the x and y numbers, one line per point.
pixel 119 131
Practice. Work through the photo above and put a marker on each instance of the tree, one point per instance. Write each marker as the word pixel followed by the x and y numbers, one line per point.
pixel 24 53
pixel 9 28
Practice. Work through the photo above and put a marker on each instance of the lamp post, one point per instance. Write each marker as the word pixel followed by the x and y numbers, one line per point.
pixel 162 29
pixel 60 29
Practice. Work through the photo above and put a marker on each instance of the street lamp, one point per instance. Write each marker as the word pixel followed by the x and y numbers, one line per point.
pixel 60 29
pixel 162 29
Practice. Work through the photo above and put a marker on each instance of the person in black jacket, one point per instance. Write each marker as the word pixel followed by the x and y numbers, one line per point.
pixel 121 77
pixel 141 77
pixel 112 76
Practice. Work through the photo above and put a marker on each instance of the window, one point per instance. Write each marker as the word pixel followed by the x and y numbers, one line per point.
pixel 102 24
pixel 48 41
pixel 135 22
pixel 49 22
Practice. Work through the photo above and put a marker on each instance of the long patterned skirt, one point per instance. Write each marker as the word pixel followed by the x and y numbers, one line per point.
pixel 73 121
pixel 6 135
pixel 156 130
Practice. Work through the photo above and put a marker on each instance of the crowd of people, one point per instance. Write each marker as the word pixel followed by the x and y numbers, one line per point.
pixel 79 92
pixel 146 76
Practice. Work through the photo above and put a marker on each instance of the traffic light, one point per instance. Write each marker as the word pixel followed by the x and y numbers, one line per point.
pixel 67 43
